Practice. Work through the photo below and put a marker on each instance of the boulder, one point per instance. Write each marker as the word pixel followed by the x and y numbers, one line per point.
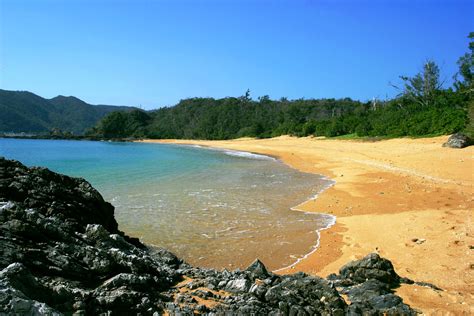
pixel 370 267
pixel 258 270
pixel 458 140
pixel 241 285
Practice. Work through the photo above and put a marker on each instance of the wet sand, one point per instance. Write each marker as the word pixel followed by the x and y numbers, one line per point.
pixel 410 200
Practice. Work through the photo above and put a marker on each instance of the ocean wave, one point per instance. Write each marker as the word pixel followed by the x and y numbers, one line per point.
pixel 234 153
pixel 245 154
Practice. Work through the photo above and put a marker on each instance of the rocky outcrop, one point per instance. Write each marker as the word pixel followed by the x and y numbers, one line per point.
pixel 368 284
pixel 61 253
pixel 458 140
pixel 60 234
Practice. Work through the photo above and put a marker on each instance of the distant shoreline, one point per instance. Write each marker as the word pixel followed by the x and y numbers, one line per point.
pixel 408 199
pixel 79 137
pixel 49 137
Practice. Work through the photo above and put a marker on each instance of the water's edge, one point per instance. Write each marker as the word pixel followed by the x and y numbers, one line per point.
pixel 331 223
pixel 254 155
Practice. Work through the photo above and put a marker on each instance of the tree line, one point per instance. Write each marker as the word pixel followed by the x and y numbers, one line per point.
pixel 423 107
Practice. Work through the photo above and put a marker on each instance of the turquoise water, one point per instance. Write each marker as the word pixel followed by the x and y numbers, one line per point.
pixel 214 208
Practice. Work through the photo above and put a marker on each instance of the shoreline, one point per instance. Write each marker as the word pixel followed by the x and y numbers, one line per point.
pixel 144 281
pixel 332 222
pixel 253 155
pixel 388 193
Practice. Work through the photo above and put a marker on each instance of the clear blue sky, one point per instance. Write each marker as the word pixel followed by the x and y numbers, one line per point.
pixel 154 53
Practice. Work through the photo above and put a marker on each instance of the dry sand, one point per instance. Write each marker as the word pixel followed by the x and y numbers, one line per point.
pixel 387 195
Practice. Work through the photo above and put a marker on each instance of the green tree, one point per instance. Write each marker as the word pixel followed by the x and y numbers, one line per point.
pixel 465 86
pixel 466 68
pixel 422 87
pixel 114 125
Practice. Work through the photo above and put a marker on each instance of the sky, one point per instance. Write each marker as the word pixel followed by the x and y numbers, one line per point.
pixel 152 53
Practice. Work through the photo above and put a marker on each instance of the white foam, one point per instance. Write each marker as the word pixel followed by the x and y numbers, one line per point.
pixel 331 221
pixel 230 152
pixel 245 154
pixel 225 230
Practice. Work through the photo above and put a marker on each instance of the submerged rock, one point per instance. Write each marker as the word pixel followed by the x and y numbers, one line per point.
pixel 61 253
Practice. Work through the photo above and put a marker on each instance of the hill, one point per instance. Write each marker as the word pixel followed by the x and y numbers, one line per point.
pixel 23 111
pixel 229 118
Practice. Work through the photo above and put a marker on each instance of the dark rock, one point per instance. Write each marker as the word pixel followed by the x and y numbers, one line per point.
pixel 368 283
pixel 376 296
pixel 22 294
pixel 370 267
pixel 303 290
pixel 426 284
pixel 406 281
pixel 385 301
pixel 259 290
pixel 203 294
pixel 61 248
pixel 241 285
pixel 367 290
pixel 390 304
pixel 258 270
pixel 458 140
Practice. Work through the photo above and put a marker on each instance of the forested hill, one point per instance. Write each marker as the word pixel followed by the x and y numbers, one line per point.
pixel 233 117
pixel 423 106
pixel 23 111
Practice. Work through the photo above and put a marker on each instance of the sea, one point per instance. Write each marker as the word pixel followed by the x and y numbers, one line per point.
pixel 213 208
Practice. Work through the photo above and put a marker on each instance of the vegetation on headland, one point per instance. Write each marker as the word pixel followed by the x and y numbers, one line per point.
pixel 423 107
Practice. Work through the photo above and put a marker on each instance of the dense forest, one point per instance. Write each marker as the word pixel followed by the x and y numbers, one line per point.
pixel 422 107
pixel 23 111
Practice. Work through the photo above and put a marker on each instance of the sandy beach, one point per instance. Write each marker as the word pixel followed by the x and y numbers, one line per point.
pixel 410 200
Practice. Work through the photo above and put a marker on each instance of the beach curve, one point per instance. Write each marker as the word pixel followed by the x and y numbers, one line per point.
pixel 252 155
pixel 386 209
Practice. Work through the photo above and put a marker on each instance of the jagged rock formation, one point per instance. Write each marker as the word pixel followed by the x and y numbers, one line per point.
pixel 62 253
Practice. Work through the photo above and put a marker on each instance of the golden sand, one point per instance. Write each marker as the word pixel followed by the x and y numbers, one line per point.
pixel 410 200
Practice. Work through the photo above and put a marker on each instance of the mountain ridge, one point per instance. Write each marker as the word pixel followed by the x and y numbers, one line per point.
pixel 24 111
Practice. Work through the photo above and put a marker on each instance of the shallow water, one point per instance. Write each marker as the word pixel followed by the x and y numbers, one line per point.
pixel 213 208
